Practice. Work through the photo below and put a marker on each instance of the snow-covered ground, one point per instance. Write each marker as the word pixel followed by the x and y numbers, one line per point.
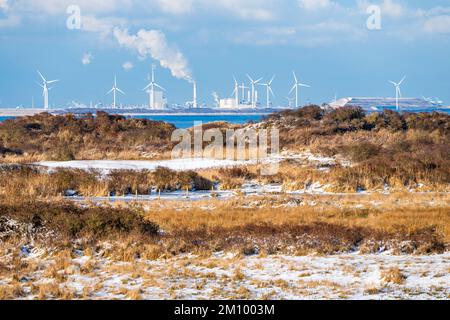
pixel 174 164
pixel 229 276
pixel 187 163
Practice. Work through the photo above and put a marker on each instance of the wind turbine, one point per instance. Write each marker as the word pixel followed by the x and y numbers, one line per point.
pixel 398 92
pixel 269 90
pixel 253 83
pixel 216 99
pixel 296 87
pixel 290 100
pixel 152 86
pixel 236 91
pixel 114 90
pixel 45 88
pixel 243 87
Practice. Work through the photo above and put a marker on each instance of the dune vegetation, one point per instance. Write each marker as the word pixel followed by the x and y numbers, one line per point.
pixel 385 149
pixel 402 161
pixel 66 137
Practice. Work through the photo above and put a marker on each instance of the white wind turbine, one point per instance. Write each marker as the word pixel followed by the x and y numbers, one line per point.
pixel 269 90
pixel 398 92
pixel 290 101
pixel 243 87
pixel 114 90
pixel 152 86
pixel 296 87
pixel 45 88
pixel 253 83
pixel 236 91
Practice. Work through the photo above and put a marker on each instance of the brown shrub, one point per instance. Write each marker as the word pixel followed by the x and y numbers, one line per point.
pixel 70 220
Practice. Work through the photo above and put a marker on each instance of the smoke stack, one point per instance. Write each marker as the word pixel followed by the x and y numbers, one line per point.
pixel 195 96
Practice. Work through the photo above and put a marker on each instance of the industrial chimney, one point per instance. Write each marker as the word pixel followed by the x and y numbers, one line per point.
pixel 194 104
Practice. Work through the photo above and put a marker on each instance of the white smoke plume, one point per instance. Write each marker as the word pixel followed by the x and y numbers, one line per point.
pixel 153 43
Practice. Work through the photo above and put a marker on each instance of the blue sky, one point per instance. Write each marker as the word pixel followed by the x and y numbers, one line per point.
pixel 326 42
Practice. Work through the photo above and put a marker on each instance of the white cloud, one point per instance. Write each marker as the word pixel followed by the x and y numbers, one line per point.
pixel 10 21
pixel 54 7
pixel 127 66
pixel 153 43
pixel 3 4
pixel 314 4
pixel 438 24
pixel 87 58
pixel 435 11
pixel 390 8
pixel 261 10
pixel 103 26
pixel 175 6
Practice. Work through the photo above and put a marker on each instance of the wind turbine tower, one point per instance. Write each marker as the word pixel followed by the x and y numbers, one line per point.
pixel 253 83
pixel 151 92
pixel 114 90
pixel 243 88
pixel 45 88
pixel 269 91
pixel 398 92
pixel 236 92
pixel 290 100
pixel 296 87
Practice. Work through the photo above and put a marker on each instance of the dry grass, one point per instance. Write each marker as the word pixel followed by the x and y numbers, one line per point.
pixel 394 276
pixel 388 218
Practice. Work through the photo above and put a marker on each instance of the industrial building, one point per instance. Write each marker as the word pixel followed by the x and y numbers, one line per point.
pixel 379 104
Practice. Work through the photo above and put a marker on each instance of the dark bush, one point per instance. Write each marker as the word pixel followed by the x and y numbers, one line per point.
pixel 362 151
pixel 70 220
pixel 62 137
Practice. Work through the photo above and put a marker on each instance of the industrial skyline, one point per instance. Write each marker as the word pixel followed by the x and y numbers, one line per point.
pixel 328 43
pixel 242 96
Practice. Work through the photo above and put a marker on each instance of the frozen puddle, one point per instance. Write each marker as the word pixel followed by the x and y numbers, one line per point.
pixel 174 164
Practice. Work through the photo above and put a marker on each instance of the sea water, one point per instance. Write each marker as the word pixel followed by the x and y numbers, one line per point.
pixel 187 121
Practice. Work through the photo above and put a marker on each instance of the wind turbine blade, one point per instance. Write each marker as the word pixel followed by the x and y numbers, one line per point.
pixel 148 86
pixel 404 78
pixel 40 85
pixel 157 85
pixel 304 85
pixel 392 82
pixel 295 76
pixel 250 78
pixel 258 80
pixel 271 80
pixel 271 91
pixel 235 81
pixel 43 79
pixel 293 88
pixel 110 91
pixel 120 91
pixel 52 81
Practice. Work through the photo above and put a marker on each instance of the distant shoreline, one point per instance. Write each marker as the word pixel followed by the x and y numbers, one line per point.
pixel 8 112
pixel 193 114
